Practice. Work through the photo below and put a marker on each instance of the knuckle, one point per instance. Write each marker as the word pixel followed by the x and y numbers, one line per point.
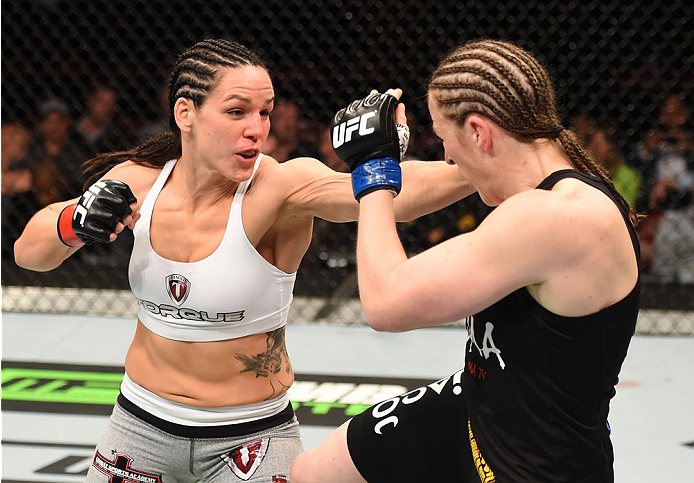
pixel 372 99
pixel 339 115
pixel 355 105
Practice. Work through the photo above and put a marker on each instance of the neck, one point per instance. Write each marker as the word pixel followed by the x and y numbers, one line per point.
pixel 198 186
pixel 530 163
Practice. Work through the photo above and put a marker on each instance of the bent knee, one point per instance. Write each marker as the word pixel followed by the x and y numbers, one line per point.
pixel 300 471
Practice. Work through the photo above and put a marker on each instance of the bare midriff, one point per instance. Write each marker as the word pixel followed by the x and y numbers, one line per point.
pixel 223 373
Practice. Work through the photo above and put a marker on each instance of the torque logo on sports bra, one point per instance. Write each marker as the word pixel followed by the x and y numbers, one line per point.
pixel 178 288
pixel 342 133
pixel 166 310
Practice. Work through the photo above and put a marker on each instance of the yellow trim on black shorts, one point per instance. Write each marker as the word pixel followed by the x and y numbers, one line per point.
pixel 483 469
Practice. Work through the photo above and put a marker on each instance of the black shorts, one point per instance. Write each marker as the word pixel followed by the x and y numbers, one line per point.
pixel 420 437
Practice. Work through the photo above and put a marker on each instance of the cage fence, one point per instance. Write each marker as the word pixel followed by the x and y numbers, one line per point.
pixel 621 68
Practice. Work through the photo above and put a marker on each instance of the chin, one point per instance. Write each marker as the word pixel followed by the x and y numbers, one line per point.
pixel 246 162
pixel 237 173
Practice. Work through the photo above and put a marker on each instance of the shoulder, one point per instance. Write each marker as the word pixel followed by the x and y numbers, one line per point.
pixel 140 178
pixel 570 199
pixel 131 171
pixel 529 208
pixel 522 222
pixel 562 221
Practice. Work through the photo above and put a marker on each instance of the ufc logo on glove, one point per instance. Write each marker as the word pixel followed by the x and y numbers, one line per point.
pixel 97 213
pixel 342 133
pixel 366 137
pixel 86 201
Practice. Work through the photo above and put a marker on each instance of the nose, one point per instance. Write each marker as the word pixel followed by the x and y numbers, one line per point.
pixel 255 127
pixel 449 161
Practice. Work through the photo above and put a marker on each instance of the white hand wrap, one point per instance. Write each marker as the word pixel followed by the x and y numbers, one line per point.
pixel 404 138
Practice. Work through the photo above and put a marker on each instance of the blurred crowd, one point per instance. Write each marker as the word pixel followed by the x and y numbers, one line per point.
pixel 657 177
pixel 41 164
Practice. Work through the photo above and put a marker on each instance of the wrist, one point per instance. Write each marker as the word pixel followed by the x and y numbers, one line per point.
pixel 377 174
pixel 65 232
pixel 379 198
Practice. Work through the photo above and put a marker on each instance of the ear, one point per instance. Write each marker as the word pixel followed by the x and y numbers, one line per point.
pixel 184 112
pixel 481 131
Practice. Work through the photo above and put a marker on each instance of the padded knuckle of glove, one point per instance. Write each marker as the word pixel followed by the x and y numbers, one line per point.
pixel 115 203
pixel 366 138
pixel 100 209
pixel 123 190
pixel 366 130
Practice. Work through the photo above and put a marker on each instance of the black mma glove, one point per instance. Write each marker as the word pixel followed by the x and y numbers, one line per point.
pixel 366 138
pixel 95 216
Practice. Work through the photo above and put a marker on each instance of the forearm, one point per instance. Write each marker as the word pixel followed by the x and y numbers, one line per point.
pixel 428 186
pixel 379 254
pixel 39 248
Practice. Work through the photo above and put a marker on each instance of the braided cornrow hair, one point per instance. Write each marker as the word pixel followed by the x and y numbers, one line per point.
pixel 505 83
pixel 195 74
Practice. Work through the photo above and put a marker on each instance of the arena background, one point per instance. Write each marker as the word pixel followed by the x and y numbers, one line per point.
pixel 615 61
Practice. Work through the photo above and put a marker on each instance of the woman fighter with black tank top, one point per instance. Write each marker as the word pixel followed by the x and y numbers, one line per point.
pixel 548 285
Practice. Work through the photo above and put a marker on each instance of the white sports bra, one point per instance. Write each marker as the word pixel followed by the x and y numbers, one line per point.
pixel 232 293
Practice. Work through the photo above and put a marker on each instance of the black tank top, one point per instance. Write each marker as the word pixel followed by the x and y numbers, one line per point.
pixel 539 384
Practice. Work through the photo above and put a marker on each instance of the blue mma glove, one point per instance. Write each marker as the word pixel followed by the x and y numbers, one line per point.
pixel 366 138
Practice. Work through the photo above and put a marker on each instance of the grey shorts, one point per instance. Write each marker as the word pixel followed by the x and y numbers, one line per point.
pixel 134 450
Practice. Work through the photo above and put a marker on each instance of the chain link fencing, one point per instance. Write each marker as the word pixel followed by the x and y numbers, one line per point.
pixel 82 77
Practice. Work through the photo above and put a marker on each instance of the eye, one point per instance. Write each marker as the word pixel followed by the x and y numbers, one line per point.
pixel 266 113
pixel 235 112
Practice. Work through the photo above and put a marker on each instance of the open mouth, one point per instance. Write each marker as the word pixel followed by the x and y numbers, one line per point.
pixel 250 154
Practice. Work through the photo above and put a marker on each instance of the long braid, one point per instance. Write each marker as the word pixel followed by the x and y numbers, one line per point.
pixel 507 84
pixel 195 74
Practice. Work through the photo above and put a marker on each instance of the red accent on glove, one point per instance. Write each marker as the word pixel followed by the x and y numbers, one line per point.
pixel 65 231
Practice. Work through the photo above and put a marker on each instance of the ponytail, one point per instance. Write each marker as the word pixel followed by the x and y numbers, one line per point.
pixel 153 153
pixel 583 161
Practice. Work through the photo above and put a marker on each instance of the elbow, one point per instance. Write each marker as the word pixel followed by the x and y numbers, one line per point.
pixel 382 318
pixel 24 259
pixel 381 322
pixel 20 258
pixel 387 327
pixel 24 262
pixel 378 326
